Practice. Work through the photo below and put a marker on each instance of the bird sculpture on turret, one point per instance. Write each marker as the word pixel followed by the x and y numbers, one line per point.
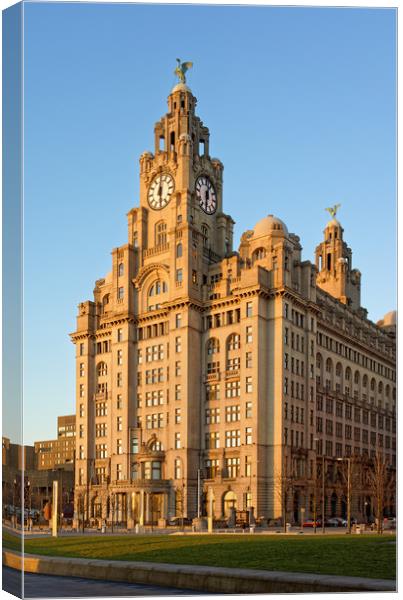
pixel 333 210
pixel 181 69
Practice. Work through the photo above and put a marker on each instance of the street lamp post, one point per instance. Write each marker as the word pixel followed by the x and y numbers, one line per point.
pixel 14 511
pixel 323 493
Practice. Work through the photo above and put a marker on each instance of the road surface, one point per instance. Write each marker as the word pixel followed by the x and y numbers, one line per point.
pixel 50 586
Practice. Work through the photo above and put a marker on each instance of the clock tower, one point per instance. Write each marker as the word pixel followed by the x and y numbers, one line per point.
pixel 180 217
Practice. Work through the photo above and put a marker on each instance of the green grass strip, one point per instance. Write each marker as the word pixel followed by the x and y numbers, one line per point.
pixel 358 556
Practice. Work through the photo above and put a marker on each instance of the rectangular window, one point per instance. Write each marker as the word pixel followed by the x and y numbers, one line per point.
pixel 177 368
pixel 248 385
pixel 177 415
pixel 177 441
pixel 119 472
pixel 248 435
pixel 233 438
pixel 232 389
pixel 101 451
pixel 232 413
pixel 213 392
pixel 178 344
pixel 179 275
pixel 178 469
pixel 119 357
pixel 249 309
pixel 119 379
pixel 81 369
pixel 212 440
pixel 248 411
pixel 120 335
pixel 329 448
pixel 119 402
pixel 119 423
pixel 248 360
pixel 178 391
pixel 134 445
pixel 81 349
pixel 232 467
pixel 119 447
pixel 100 430
pixel 81 410
pixel 212 468
pixel 178 320
pixel 81 390
pixel 120 293
pixel 249 337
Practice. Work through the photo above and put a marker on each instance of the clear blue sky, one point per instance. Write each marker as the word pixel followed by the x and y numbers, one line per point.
pixel 300 103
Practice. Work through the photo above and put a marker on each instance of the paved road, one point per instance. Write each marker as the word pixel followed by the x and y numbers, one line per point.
pixel 49 586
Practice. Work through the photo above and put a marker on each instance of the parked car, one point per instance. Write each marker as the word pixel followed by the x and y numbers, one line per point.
pixel 353 521
pixel 389 523
pixel 334 522
pixel 311 523
pixel 179 521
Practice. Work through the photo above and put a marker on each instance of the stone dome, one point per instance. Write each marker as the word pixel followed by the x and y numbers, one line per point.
pixel 181 87
pixel 333 223
pixel 270 225
pixel 389 319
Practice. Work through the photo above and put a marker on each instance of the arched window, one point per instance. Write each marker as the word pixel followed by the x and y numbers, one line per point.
pixel 329 365
pixel 102 369
pixel 348 374
pixel 233 342
pixel 120 269
pixel 338 370
pixel 318 361
pixel 105 302
pixel 357 377
pixel 380 388
pixel 179 250
pixel 213 346
pixel 160 233
pixel 258 254
pixel 387 391
pixel 158 287
pixel 373 385
pixel 365 381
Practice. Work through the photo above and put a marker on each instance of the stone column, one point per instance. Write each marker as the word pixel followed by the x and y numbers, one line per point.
pixel 147 507
pixel 164 509
pixel 130 500
pixel 142 508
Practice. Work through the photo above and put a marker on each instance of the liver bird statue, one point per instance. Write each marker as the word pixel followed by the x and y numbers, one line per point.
pixel 181 69
pixel 333 210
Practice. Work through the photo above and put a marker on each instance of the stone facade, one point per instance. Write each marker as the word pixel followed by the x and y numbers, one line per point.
pixel 203 373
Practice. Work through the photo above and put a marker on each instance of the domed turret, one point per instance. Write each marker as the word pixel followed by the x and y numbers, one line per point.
pixel 270 225
pixel 389 320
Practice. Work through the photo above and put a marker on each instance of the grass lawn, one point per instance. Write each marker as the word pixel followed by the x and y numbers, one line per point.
pixel 359 556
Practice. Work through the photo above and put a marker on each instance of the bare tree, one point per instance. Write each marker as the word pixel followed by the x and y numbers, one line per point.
pixel 381 481
pixel 284 485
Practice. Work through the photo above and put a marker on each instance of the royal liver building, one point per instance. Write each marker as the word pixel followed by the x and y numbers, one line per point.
pixel 208 373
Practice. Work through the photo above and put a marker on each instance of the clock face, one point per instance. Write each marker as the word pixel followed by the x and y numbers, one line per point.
pixel 206 195
pixel 160 191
